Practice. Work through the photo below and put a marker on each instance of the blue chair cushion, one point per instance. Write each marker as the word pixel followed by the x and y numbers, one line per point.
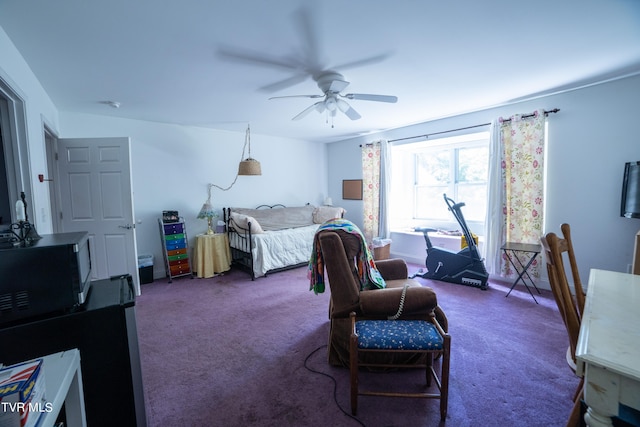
pixel 398 335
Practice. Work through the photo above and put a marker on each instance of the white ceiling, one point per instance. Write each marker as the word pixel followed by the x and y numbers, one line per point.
pixel 161 59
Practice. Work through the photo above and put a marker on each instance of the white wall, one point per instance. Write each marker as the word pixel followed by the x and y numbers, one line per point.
pixel 172 165
pixel 590 139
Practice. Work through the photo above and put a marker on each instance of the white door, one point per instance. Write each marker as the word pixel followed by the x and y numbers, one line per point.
pixel 96 195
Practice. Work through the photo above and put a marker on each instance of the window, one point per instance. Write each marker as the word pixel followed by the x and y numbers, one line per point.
pixel 422 172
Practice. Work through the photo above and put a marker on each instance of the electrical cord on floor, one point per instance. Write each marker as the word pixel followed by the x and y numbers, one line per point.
pixel 335 384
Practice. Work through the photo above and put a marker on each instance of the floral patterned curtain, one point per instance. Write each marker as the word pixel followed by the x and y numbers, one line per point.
pixel 522 141
pixel 371 160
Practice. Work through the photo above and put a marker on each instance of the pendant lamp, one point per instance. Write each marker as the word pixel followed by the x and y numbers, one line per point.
pixel 249 166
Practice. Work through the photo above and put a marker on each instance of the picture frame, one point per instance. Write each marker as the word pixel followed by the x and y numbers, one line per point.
pixel 352 189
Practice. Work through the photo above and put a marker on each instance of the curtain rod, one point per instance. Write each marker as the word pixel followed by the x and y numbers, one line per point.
pixel 546 113
pixel 524 116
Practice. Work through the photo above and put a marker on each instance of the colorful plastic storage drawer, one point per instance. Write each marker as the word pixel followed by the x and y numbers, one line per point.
pixel 177 270
pixel 179 261
pixel 174 237
pixel 173 228
pixel 176 251
pixel 178 257
pixel 176 244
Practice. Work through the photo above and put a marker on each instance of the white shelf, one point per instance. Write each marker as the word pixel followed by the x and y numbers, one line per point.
pixel 63 385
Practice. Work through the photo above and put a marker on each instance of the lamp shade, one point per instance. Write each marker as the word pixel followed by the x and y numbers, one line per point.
pixel 206 211
pixel 249 166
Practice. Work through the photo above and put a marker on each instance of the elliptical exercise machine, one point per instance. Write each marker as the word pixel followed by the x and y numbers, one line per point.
pixel 464 267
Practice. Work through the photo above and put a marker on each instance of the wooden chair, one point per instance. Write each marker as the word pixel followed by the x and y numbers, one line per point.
pixel 570 304
pixel 401 336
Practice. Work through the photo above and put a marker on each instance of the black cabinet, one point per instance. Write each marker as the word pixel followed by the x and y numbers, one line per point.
pixel 105 332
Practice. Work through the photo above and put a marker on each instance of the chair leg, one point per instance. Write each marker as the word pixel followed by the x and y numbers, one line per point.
pixel 444 377
pixel 353 370
pixel 429 367
pixel 578 393
pixel 574 416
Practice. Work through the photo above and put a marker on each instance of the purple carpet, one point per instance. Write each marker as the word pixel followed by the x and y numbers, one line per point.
pixel 227 351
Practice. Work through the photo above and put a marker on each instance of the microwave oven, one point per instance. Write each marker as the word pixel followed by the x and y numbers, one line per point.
pixel 49 275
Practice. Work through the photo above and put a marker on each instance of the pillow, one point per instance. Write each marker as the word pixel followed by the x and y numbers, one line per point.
pixel 244 220
pixel 325 213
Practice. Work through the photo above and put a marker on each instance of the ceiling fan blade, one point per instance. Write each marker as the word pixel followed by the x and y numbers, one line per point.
pixel 308 110
pixel 369 97
pixel 297 96
pixel 348 110
pixel 308 30
pixel 252 57
pixel 364 61
pixel 284 84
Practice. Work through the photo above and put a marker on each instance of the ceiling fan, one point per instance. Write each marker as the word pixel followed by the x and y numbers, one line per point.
pixel 332 83
pixel 306 63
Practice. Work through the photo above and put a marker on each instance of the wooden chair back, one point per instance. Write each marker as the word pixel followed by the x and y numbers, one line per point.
pixel 570 304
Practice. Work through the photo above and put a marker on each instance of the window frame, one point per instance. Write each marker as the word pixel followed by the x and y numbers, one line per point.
pixel 453 145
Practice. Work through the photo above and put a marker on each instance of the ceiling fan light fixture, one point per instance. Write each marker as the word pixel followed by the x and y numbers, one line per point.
pixel 331 104
pixel 331 84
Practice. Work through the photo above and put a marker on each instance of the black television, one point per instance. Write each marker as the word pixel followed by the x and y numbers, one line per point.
pixel 630 202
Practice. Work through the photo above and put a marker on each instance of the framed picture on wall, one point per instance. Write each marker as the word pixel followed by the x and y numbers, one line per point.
pixel 352 189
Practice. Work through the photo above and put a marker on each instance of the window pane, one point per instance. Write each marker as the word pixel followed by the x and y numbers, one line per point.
pixel 474 198
pixel 432 168
pixel 473 164
pixel 430 203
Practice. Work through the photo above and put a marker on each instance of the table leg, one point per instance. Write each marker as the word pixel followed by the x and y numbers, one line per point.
pixel 602 391
pixel 526 271
pixel 594 419
pixel 522 273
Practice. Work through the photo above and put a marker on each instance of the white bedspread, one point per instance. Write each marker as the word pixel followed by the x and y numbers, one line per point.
pixel 281 248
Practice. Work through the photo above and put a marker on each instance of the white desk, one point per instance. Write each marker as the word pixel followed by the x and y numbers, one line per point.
pixel 63 384
pixel 608 351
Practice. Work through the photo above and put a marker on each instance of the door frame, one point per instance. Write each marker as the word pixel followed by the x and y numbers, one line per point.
pixel 15 146
pixel 51 150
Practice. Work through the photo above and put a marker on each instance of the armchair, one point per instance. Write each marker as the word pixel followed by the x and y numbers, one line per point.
pixel 339 250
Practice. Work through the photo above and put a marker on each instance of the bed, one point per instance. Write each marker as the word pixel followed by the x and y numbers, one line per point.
pixel 272 238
